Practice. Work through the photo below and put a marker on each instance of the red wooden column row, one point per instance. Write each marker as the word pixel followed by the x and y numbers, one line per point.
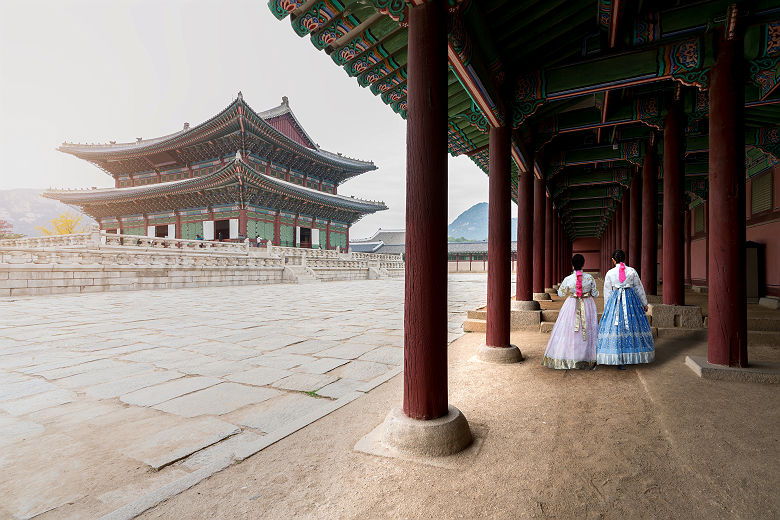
pixel 625 225
pixel 539 236
pixel 556 252
pixel 525 230
pixel 425 302
pixel 499 237
pixel 635 235
pixel 727 338
pixel 649 268
pixel 548 243
pixel 674 168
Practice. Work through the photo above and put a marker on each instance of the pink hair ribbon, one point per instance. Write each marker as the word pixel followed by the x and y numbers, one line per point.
pixel 622 273
pixel 579 284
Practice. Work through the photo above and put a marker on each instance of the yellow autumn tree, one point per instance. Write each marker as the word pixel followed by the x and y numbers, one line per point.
pixel 65 224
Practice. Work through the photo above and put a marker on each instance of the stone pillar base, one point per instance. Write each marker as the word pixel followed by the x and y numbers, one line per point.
pixel 524 305
pixel 541 296
pixel 671 316
pixel 499 355
pixel 433 438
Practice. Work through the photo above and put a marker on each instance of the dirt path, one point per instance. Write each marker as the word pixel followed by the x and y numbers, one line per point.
pixel 652 442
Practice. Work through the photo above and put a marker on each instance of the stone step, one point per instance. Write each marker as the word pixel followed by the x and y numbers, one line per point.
pixel 546 327
pixel 764 324
pixel 479 314
pixel 474 325
pixel 549 304
pixel 550 315
pixel 764 338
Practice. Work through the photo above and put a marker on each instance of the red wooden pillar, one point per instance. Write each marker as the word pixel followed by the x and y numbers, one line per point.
pixel 555 260
pixel 178 224
pixel 242 223
pixel 327 235
pixel 649 267
pixel 525 226
pixel 688 227
pixel 539 236
pixel 346 237
pixel 277 229
pixel 499 234
pixel 619 225
pixel 425 304
pixel 635 234
pixel 727 338
pixel 548 242
pixel 673 261
pixel 625 224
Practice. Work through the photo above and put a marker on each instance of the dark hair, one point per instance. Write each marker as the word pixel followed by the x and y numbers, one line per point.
pixel 577 261
pixel 619 255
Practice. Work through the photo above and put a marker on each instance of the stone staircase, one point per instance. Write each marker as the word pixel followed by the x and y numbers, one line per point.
pixel 299 274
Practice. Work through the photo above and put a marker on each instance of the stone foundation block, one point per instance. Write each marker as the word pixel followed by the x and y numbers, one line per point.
pixel 499 355
pixel 433 438
pixel 519 320
pixel 669 316
pixel 771 302
pixel 541 296
pixel 761 372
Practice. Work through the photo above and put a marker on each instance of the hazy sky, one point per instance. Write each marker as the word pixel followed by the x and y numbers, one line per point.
pixel 96 70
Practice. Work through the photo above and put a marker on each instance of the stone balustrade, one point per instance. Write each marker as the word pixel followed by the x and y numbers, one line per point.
pixel 100 261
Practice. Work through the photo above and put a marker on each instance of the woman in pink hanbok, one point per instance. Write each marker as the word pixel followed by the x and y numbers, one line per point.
pixel 575 333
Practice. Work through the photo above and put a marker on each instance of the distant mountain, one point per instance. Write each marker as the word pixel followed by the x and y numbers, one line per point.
pixel 473 224
pixel 25 209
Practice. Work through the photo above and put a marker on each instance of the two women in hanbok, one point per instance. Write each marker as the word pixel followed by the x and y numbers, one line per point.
pixel 623 336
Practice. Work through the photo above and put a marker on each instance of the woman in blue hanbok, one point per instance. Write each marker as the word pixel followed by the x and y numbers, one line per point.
pixel 624 333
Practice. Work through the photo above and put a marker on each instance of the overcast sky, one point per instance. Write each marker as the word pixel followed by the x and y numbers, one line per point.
pixel 96 70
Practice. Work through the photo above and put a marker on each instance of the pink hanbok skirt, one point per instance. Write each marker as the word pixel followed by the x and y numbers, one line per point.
pixel 567 347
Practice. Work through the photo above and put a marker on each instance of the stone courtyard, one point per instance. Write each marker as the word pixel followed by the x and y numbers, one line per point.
pixel 107 397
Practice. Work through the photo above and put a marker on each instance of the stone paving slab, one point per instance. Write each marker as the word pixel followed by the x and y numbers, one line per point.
pixel 320 365
pixel 24 388
pixel 259 376
pixel 305 382
pixel 175 443
pixel 216 400
pixel 276 413
pixel 274 360
pixel 224 451
pixel 341 388
pixel 36 402
pixel 387 355
pixel 157 394
pixel 361 370
pixel 104 375
pixel 347 350
pixel 13 430
pixel 131 384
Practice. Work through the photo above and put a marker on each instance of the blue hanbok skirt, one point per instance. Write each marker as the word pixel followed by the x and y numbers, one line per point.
pixel 630 341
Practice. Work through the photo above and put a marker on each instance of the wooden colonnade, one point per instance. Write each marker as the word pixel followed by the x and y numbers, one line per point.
pixel 543 256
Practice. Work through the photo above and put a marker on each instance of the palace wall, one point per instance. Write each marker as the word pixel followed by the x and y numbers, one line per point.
pixel 590 248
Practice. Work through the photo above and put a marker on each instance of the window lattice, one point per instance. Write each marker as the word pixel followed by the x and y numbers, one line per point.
pixel 761 194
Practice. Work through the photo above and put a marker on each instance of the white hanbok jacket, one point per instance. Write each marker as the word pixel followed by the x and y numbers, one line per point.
pixel 569 286
pixel 612 282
